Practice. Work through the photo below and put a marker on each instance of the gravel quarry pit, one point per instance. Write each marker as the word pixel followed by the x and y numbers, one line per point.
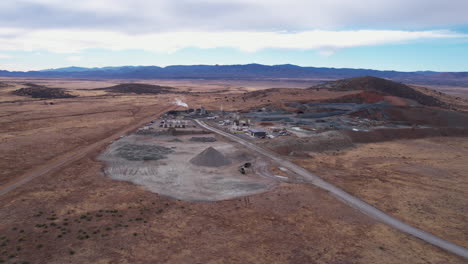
pixel 163 165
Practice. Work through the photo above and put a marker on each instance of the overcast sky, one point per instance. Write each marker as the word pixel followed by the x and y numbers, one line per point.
pixel 379 34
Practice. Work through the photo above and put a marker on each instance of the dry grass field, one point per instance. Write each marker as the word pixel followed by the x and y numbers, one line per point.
pixel 76 214
pixel 456 91
pixel 194 85
pixel 422 182
pixel 33 131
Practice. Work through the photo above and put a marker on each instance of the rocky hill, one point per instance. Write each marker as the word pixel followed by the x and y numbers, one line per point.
pixel 38 91
pixel 382 86
pixel 138 88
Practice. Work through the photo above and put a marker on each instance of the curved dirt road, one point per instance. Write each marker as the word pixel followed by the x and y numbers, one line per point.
pixel 346 197
pixel 55 164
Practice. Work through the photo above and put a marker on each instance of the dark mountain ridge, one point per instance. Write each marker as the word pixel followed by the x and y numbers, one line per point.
pixel 248 71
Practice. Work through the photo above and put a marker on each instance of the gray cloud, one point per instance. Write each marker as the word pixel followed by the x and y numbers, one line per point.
pixel 137 16
pixel 40 16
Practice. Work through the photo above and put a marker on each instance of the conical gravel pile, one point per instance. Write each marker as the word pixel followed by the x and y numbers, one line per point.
pixel 210 157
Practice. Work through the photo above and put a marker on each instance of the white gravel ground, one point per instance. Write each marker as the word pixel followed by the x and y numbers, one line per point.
pixel 176 177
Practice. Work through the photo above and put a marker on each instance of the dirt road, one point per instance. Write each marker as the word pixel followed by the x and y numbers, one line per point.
pixel 346 197
pixel 74 156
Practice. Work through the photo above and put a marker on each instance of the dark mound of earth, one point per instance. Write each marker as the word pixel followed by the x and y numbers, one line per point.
pixel 369 83
pixel 210 157
pixel 367 97
pixel 138 88
pixel 203 139
pixel 3 85
pixel 38 91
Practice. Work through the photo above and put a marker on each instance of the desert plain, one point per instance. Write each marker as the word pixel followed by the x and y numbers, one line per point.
pixel 59 203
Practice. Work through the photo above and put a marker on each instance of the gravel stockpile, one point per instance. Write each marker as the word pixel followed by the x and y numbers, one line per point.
pixel 210 157
pixel 203 139
pixel 143 152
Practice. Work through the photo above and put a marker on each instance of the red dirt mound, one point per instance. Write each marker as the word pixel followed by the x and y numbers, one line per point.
pixel 396 101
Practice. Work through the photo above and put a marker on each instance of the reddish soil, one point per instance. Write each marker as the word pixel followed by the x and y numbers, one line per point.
pixel 266 124
pixel 366 97
pixel 396 101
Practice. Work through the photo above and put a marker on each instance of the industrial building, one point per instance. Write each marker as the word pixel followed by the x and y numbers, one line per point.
pixel 257 133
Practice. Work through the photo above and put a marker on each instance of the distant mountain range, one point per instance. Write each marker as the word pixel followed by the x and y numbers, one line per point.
pixel 248 71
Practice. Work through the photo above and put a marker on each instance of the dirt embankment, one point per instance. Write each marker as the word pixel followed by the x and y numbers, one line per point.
pixel 416 116
pixel 38 91
pixel 382 135
pixel 332 141
pixel 326 141
pixel 428 116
